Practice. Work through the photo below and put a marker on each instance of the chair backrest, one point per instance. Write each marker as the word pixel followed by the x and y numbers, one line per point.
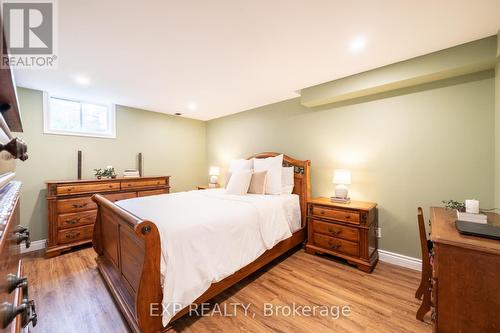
pixel 423 237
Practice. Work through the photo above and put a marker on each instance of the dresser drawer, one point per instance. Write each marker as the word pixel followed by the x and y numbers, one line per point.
pixel 72 220
pixel 336 214
pixel 336 230
pixel 143 183
pixel 87 188
pixel 75 205
pixel 120 196
pixel 151 192
pixel 75 234
pixel 336 244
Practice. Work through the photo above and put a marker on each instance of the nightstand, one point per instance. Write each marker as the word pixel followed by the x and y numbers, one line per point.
pixel 348 231
pixel 206 187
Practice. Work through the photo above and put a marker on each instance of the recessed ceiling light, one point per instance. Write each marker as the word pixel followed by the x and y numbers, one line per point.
pixel 357 44
pixel 192 106
pixel 82 80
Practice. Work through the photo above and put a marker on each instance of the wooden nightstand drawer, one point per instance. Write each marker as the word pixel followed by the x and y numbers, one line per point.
pixel 336 244
pixel 336 230
pixel 336 214
pixel 72 220
pixel 75 234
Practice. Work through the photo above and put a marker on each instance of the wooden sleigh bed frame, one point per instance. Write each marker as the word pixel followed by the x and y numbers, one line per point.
pixel 128 255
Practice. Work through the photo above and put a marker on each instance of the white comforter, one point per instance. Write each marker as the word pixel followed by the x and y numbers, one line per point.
pixel 206 236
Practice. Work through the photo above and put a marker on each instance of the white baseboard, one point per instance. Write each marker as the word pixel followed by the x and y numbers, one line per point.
pixel 400 260
pixel 34 246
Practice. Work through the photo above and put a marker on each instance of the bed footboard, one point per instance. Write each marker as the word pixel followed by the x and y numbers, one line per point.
pixel 128 258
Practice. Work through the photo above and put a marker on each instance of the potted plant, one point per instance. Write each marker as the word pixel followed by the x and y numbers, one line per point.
pixel 98 173
pixel 452 204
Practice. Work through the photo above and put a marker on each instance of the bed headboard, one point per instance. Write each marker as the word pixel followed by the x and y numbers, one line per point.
pixel 302 178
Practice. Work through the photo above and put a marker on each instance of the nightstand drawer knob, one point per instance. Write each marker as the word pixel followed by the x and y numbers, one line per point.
pixel 333 246
pixel 322 212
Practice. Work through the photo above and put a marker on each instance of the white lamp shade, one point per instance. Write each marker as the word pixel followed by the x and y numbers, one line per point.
pixel 342 177
pixel 214 171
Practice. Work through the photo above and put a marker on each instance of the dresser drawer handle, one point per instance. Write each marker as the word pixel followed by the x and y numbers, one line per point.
pixel 80 206
pixel 333 246
pixel 334 232
pixel 129 185
pixel 348 217
pixel 75 221
pixel 110 186
pixel 322 212
pixel 72 236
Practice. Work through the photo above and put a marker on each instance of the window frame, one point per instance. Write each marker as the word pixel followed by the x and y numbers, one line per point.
pixel 46 118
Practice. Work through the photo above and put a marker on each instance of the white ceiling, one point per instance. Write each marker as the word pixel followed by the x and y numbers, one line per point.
pixel 227 56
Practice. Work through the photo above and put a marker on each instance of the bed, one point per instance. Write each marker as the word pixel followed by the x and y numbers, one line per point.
pixel 142 261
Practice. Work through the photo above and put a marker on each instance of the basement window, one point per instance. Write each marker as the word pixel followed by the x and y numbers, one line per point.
pixel 72 117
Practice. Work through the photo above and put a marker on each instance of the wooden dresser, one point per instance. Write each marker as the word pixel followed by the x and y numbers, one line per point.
pixel 17 311
pixel 72 212
pixel 465 277
pixel 347 231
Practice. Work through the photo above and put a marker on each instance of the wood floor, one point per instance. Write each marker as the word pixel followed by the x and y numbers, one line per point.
pixel 71 297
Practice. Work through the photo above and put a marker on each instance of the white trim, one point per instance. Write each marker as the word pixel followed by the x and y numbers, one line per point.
pixel 34 246
pixel 400 260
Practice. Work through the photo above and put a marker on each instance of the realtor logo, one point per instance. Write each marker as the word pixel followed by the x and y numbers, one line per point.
pixel 29 32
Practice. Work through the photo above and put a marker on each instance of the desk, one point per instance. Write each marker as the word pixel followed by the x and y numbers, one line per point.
pixel 465 277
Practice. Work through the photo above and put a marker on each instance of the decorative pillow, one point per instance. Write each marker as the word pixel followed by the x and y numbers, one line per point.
pixel 239 182
pixel 258 183
pixel 241 165
pixel 273 167
pixel 287 180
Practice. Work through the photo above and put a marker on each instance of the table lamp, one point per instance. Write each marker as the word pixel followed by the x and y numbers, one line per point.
pixel 214 173
pixel 341 178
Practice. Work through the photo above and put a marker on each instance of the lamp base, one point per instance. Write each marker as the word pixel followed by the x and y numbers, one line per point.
pixel 340 200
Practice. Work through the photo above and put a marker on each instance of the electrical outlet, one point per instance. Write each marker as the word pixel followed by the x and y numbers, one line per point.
pixel 379 232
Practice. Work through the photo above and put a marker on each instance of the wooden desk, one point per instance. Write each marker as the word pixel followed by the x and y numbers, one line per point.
pixel 465 277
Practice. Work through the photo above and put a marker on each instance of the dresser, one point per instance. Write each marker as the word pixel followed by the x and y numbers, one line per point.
pixel 17 310
pixel 72 213
pixel 465 277
pixel 347 231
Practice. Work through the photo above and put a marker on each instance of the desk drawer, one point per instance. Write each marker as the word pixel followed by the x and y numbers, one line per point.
pixel 143 183
pixel 336 214
pixel 336 244
pixel 87 188
pixel 73 235
pixel 336 230
pixel 72 220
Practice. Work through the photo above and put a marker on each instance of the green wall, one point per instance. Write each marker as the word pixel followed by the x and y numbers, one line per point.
pixel 497 138
pixel 171 146
pixel 497 128
pixel 408 148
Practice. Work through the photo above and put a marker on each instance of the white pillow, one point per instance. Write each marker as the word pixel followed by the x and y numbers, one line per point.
pixel 287 182
pixel 239 182
pixel 241 165
pixel 273 166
